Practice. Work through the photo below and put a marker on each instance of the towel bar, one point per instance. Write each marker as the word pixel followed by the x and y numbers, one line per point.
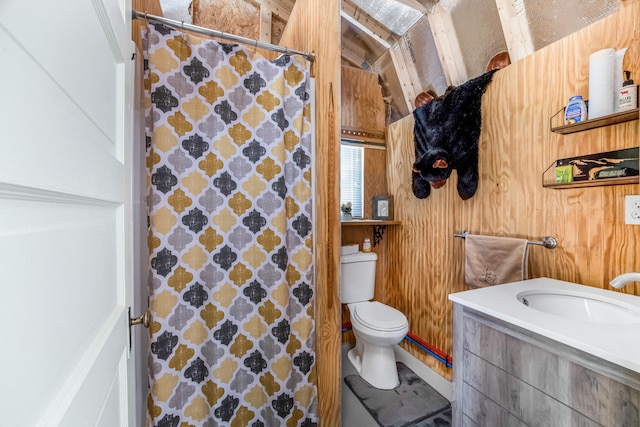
pixel 548 242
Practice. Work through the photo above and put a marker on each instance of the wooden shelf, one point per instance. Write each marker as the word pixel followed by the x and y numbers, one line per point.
pixel 595 183
pixel 357 222
pixel 379 226
pixel 611 119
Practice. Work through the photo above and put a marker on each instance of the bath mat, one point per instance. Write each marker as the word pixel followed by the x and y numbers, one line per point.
pixel 441 419
pixel 413 403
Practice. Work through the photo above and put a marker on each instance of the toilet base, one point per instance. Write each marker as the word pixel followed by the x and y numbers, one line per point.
pixel 377 367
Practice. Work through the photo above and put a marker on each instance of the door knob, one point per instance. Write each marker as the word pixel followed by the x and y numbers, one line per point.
pixel 144 320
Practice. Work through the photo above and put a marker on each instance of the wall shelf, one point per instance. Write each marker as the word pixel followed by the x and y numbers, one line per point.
pixel 379 226
pixel 612 119
pixel 548 176
pixel 595 183
pixel 625 160
pixel 357 222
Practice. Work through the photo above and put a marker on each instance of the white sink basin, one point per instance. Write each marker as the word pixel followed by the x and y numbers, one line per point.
pixel 580 306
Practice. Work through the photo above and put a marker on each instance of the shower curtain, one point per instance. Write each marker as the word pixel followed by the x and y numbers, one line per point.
pixel 231 263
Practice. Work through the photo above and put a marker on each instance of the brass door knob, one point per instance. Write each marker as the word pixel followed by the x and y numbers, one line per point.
pixel 144 320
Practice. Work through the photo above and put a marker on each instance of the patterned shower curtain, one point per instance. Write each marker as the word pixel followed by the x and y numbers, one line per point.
pixel 231 263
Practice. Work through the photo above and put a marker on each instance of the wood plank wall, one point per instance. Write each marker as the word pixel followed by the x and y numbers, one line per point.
pixel 426 262
pixel 363 109
pixel 238 17
pixel 314 25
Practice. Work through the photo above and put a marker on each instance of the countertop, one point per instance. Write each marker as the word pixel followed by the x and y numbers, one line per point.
pixel 617 343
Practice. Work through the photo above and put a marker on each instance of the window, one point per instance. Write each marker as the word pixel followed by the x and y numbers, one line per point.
pixel 352 177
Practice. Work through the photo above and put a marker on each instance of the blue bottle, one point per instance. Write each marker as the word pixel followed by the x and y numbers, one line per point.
pixel 576 111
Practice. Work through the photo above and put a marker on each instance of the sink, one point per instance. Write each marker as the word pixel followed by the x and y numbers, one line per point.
pixel 580 306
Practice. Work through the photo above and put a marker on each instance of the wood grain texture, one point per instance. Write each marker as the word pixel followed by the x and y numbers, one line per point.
pixel 362 105
pixel 314 25
pixel 536 379
pixel 236 16
pixel 375 182
pixel 425 261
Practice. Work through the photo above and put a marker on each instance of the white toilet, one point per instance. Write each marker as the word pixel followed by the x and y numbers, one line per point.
pixel 377 327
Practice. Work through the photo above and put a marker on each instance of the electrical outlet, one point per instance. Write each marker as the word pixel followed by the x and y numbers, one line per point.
pixel 632 210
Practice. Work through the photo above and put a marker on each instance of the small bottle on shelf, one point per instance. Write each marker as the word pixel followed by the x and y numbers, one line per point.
pixel 366 245
pixel 576 111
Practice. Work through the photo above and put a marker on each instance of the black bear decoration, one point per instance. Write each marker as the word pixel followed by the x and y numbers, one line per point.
pixel 446 134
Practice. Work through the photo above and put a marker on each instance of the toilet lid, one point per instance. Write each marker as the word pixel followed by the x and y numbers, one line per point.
pixel 376 315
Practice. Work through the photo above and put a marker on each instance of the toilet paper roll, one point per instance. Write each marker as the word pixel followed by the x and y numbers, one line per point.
pixel 601 83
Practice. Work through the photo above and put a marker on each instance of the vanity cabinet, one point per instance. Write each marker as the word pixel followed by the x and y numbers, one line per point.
pixel 508 376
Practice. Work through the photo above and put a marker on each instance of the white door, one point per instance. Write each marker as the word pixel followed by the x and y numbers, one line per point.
pixel 65 213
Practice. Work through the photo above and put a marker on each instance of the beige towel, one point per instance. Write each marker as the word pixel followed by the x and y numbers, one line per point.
pixel 492 260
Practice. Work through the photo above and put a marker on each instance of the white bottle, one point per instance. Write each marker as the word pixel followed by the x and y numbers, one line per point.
pixel 628 94
pixel 366 245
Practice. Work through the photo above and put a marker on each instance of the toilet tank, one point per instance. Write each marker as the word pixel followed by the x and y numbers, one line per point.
pixel 357 277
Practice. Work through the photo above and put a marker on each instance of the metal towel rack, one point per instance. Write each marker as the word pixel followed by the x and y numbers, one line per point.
pixel 548 242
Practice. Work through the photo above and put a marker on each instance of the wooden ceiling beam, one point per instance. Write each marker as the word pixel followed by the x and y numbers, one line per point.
pixel 515 27
pixel 280 8
pixel 352 58
pixel 355 54
pixel 265 24
pixel 405 74
pixel 448 46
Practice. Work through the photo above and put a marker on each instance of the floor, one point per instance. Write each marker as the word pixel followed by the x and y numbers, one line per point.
pixel 355 415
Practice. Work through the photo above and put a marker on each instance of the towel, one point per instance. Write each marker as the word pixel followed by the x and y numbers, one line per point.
pixel 492 260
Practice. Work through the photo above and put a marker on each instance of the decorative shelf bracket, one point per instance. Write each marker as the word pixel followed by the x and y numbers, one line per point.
pixel 378 233
pixel 379 227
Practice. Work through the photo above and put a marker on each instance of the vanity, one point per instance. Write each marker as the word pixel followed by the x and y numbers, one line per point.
pixel 545 352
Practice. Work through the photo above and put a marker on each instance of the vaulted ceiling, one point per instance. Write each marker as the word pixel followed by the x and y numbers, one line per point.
pixel 414 45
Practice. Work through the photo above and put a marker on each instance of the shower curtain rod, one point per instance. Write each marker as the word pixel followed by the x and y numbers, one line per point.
pixel 221 35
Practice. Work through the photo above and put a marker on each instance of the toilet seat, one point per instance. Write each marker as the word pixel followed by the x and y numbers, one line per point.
pixel 378 316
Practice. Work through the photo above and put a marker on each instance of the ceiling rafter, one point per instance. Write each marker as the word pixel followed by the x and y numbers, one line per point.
pixel 279 8
pixel 353 58
pixel 265 24
pixel 515 27
pixel 406 72
pixel 366 23
pixel 447 45
pixel 400 52
pixel 356 54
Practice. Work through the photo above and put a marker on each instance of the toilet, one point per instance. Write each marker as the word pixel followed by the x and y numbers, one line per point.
pixel 376 326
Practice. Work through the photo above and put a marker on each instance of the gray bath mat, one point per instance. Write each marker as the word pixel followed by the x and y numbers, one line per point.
pixel 412 403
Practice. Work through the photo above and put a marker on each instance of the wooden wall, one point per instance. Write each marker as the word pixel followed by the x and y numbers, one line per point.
pixel 363 109
pixel 239 17
pixel 314 25
pixel 516 146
